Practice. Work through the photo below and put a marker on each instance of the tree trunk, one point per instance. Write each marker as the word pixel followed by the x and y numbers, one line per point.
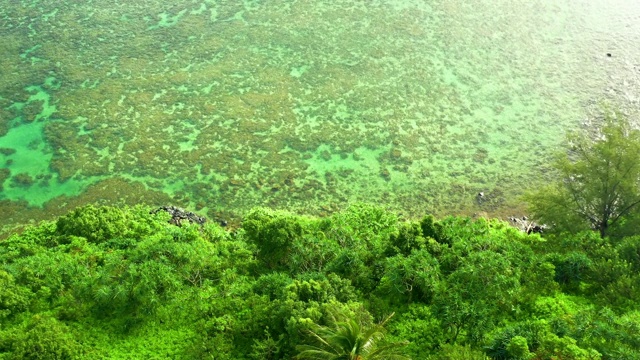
pixel 603 228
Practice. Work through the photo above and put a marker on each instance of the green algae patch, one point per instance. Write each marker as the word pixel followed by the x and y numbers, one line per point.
pixel 168 20
pixel 301 105
pixel 28 155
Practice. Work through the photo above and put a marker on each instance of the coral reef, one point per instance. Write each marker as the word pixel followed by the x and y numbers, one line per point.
pixel 306 106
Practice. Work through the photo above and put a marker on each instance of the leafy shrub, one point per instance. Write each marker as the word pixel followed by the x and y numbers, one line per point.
pixel 44 337
pixel 273 232
pixel 629 251
pixel 420 328
pixel 458 352
pixel 518 349
pixel 571 268
pixel 433 229
pixel 14 298
pixel 99 224
pixel 415 276
pixel 408 238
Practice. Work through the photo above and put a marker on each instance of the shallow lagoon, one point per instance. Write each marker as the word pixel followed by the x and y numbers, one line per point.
pixel 220 106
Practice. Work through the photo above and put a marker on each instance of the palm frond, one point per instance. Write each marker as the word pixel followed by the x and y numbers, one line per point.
pixel 351 340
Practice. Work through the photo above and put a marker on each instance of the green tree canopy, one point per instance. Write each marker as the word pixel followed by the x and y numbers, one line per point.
pixel 599 182
pixel 116 283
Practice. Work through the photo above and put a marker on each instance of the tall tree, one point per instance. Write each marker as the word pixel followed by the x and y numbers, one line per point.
pixel 599 179
pixel 349 340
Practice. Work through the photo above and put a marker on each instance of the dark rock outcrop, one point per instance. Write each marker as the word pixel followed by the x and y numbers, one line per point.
pixel 179 216
pixel 527 226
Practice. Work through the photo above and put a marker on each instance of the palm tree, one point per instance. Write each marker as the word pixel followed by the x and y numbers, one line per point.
pixel 348 340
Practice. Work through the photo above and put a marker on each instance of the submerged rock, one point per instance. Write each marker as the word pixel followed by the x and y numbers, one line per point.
pixel 23 180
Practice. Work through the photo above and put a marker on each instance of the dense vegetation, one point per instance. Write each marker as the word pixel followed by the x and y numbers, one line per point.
pixel 123 283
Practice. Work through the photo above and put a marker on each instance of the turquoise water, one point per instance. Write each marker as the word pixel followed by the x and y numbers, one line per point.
pixel 220 106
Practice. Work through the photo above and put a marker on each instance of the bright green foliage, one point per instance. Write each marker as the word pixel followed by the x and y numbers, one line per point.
pixel 99 224
pixel 311 253
pixel 274 233
pixel 321 291
pixel 458 352
pixel 571 268
pixel 119 282
pixel 629 250
pixel 477 295
pixel 362 234
pixel 599 181
pixel 412 277
pixel 44 337
pixel 518 348
pixel 350 340
pixel 123 283
pixel 361 225
pixel 537 340
pixel 13 298
pixel 420 328
pixel 408 238
pixel 484 274
pixel 553 346
pixel 586 264
pixel 266 349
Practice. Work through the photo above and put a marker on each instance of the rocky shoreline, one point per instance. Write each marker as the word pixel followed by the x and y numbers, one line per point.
pixel 179 216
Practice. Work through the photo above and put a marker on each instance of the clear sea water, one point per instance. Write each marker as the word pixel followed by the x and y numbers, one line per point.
pixel 303 105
